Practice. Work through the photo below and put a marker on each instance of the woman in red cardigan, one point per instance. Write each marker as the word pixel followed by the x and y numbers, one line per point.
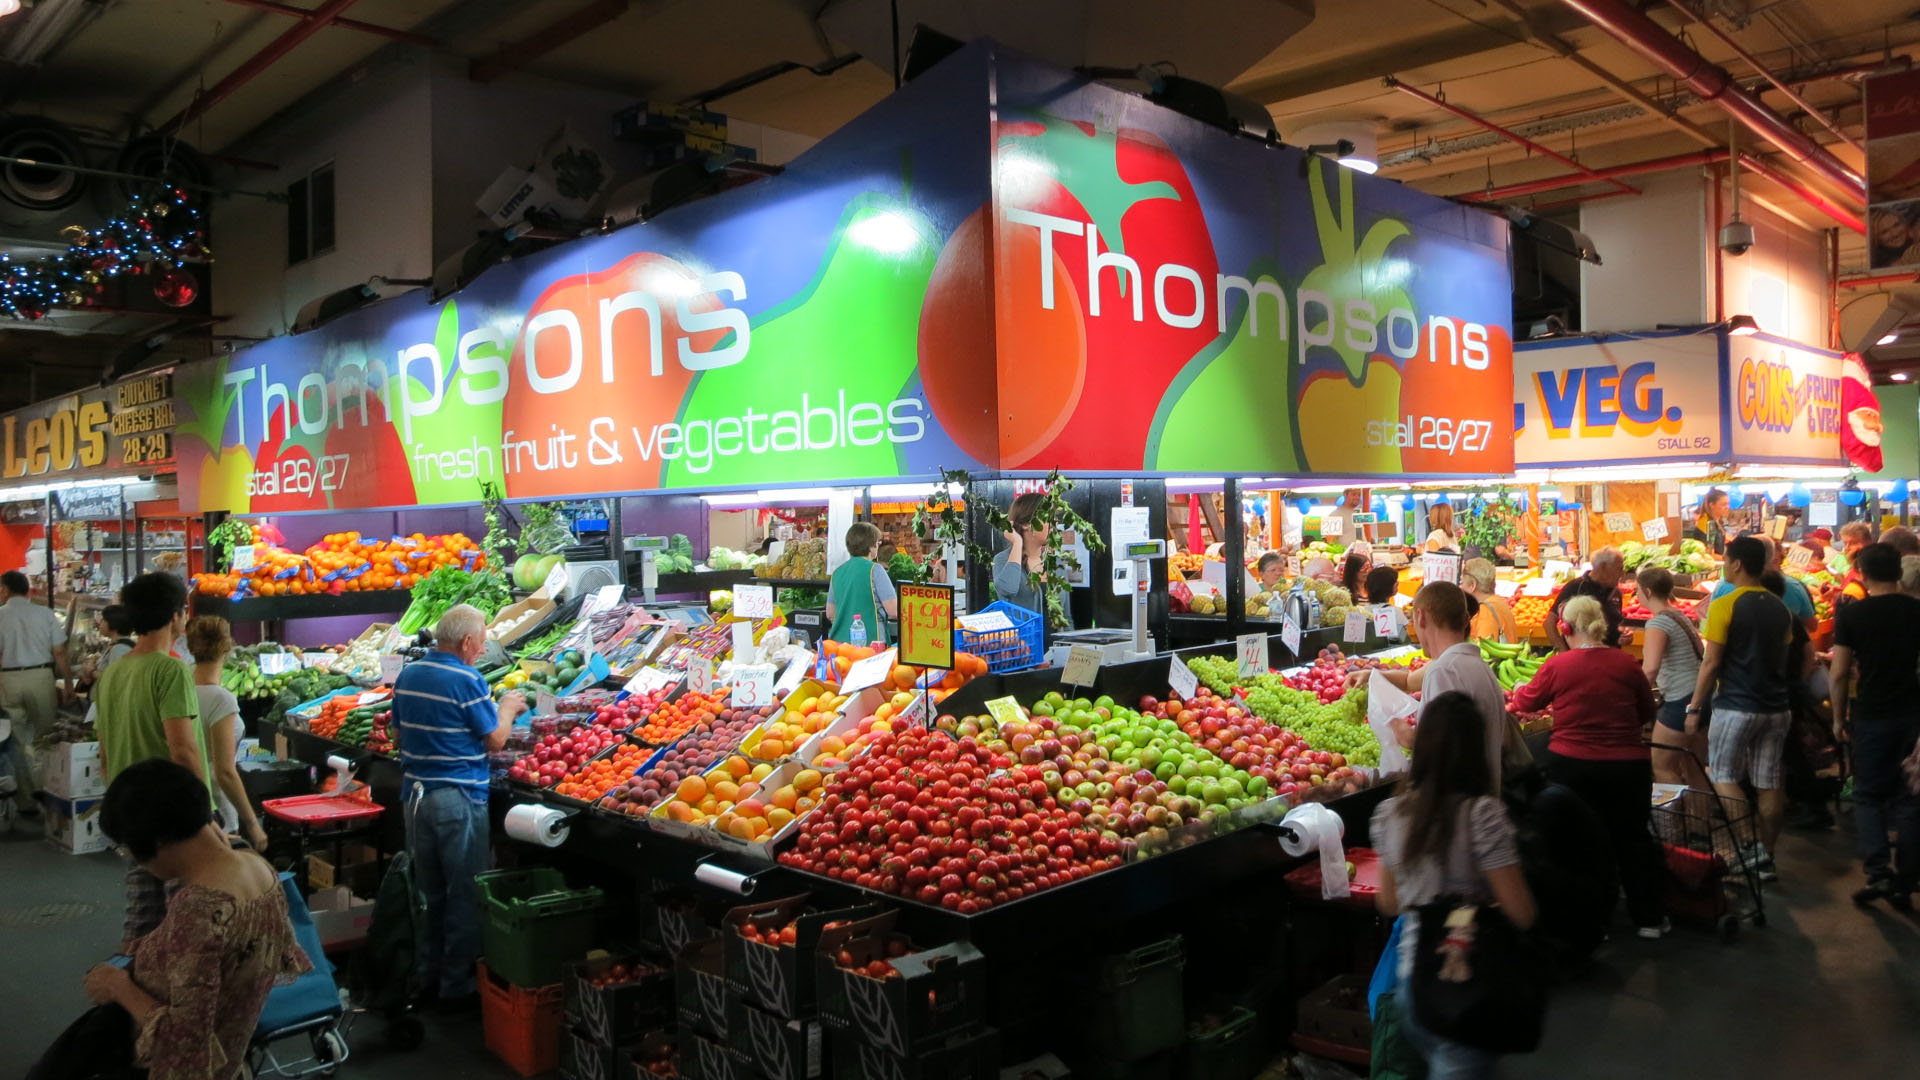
pixel 1601 704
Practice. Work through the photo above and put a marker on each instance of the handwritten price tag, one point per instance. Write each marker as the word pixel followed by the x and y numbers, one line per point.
pixel 1799 558
pixel 242 558
pixel 1355 630
pixel 1332 526
pixel 1385 622
pixel 872 671
pixel 1440 566
pixel 1181 678
pixel 753 601
pixel 700 675
pixel 752 686
pixel 1005 710
pixel 1250 650
pixel 649 679
pixel 744 650
pixel 1619 522
pixel 278 663
pixel 1656 529
pixel 1290 635
pixel 1083 664
pixel 390 666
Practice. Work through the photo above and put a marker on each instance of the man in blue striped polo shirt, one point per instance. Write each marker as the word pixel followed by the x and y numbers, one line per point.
pixel 445 721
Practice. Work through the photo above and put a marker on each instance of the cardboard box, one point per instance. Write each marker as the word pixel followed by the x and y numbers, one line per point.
pixel 73 825
pixel 339 916
pixel 358 868
pixel 540 604
pixel 73 771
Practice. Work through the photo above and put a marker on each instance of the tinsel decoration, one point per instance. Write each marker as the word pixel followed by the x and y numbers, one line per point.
pixel 155 236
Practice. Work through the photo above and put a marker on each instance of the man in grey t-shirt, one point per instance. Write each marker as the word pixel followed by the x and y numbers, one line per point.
pixel 1440 619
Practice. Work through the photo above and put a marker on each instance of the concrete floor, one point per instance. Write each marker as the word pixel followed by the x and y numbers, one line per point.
pixel 1824 989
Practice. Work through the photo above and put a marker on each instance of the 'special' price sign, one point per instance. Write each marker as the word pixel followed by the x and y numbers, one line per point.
pixel 926 626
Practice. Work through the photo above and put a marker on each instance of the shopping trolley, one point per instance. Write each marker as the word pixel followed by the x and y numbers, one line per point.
pixel 310 1008
pixel 1700 834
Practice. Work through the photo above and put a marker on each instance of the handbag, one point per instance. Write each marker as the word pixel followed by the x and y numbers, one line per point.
pixel 1478 980
pixel 98 1046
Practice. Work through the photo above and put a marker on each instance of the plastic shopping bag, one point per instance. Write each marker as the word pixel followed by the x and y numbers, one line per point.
pixel 1385 704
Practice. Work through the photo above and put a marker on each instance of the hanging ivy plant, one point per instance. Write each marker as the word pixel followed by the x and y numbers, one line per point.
pixel 1489 523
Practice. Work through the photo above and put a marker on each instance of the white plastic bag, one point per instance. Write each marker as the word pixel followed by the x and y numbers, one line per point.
pixel 1385 704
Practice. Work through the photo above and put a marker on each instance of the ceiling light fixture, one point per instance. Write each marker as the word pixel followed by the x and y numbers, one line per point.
pixel 1742 326
pixel 1348 142
pixel 1899 376
pixel 1888 339
pixel 8 7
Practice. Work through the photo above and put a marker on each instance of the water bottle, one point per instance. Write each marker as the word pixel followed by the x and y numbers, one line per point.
pixel 858 634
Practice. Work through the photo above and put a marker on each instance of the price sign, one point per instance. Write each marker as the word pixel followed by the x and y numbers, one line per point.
pixel 390 666
pixel 242 558
pixel 920 709
pixel 700 675
pixel 1505 589
pixel 796 673
pixel 320 660
pixel 1005 710
pixel 1293 566
pixel 1332 526
pixel 649 679
pixel 872 671
pixel 926 625
pixel 1385 623
pixel 279 663
pixel 1777 528
pixel 752 686
pixel 1182 679
pixel 556 582
pixel 985 621
pixel 1619 522
pixel 369 697
pixel 1083 663
pixel 744 650
pixel 1440 566
pixel 1799 558
pixel 753 601
pixel 544 703
pixel 1356 627
pixel 1250 650
pixel 1290 635
pixel 1655 529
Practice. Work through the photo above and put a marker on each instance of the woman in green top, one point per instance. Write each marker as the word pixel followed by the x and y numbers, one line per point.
pixel 861 589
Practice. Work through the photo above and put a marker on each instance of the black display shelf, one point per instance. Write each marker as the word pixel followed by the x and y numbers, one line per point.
pixel 321 606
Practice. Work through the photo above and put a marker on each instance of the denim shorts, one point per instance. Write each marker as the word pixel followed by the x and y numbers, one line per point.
pixel 1673 713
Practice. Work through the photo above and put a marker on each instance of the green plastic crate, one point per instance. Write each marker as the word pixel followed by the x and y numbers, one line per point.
pixel 533 926
pixel 1137 1006
pixel 1231 1051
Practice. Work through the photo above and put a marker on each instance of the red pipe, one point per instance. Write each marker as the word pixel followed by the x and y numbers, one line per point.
pixel 1879 279
pixel 421 40
pixel 1753 62
pixel 1712 83
pixel 1510 136
pixel 1554 183
pixel 321 17
pixel 1818 201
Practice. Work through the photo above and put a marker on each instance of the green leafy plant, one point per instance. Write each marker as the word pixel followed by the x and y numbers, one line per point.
pixel 222 537
pixel 496 541
pixel 1489 523
pixel 1058 563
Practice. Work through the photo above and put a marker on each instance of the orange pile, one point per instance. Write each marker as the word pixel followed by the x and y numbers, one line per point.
pixel 394 563
pixel 1531 611
pixel 596 778
pixel 677 717
pixel 727 799
pixel 966 666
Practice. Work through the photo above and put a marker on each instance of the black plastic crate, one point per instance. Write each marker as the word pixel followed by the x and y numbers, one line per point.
pixel 780 978
pixel 935 993
pixel 584 1057
pixel 1137 1007
pixel 700 988
pixel 772 1046
pixel 703 1058
pixel 1231 1051
pixel 610 1014
pixel 653 1046
pixel 669 921
pixel 969 1055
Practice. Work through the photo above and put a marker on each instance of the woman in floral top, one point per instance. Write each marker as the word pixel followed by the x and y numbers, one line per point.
pixel 195 986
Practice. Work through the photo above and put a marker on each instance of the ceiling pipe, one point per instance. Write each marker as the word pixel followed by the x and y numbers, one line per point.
pixel 250 69
pixel 1765 73
pixel 1554 183
pixel 1511 136
pixel 1908 278
pixel 278 8
pixel 1712 83
pixel 1762 167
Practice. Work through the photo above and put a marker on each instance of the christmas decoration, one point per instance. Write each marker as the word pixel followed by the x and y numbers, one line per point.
pixel 156 234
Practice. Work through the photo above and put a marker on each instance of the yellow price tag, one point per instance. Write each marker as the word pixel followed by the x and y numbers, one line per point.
pixel 1005 710
pixel 926 626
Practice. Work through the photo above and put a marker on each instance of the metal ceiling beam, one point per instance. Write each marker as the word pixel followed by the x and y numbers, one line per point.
pixel 321 18
pixel 1555 183
pixel 543 41
pixel 1766 73
pixel 1646 37
pixel 345 24
pixel 1505 133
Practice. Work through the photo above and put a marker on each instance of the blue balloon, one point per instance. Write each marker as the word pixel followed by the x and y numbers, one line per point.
pixel 1734 495
pixel 1305 506
pixel 1799 496
pixel 1379 505
pixel 1853 497
pixel 1899 492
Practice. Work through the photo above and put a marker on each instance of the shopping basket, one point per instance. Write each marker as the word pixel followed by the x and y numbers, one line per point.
pixel 1704 837
pixel 1015 647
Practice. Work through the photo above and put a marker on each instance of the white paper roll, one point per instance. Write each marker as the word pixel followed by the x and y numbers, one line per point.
pixel 340 764
pixel 540 825
pixel 722 878
pixel 1316 828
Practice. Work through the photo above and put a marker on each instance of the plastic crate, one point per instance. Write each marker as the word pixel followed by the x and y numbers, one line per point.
pixel 936 993
pixel 700 988
pixel 780 978
pixel 1015 649
pixel 969 1055
pixel 612 1014
pixel 585 1057
pixel 1231 1051
pixel 669 921
pixel 1137 1009
pixel 705 1058
pixel 1333 1021
pixel 653 1046
pixel 535 926
pixel 521 1027
pixel 772 1046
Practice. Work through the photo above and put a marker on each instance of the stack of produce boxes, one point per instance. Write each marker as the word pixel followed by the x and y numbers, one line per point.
pixel 897 1012
pixel 614 1006
pixel 773 1028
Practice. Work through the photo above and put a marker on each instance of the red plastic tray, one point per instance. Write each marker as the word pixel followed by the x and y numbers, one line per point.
pixel 1305 881
pixel 322 809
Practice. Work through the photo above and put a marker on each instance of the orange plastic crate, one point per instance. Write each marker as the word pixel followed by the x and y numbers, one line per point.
pixel 522 1026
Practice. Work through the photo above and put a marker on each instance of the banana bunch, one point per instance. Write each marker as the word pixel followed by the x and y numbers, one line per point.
pixel 1512 664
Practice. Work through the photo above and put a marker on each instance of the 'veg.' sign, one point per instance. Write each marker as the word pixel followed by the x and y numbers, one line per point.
pixel 1587 401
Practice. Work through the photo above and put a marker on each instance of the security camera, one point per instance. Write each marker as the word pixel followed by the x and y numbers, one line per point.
pixel 1736 237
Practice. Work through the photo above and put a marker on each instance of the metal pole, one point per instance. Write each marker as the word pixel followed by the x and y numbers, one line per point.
pixel 1235 551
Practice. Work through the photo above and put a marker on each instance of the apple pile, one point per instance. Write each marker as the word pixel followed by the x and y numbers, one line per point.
pixel 627 712
pixel 1282 758
pixel 950 821
pixel 556 755
pixel 694 754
